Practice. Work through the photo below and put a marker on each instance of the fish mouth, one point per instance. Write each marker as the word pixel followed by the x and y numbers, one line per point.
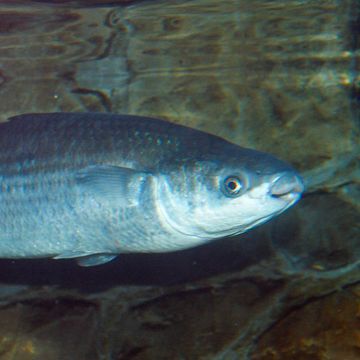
pixel 287 186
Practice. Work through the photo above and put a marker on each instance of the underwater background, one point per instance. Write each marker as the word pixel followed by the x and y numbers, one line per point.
pixel 278 76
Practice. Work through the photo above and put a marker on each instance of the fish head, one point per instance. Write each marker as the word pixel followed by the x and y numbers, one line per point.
pixel 227 194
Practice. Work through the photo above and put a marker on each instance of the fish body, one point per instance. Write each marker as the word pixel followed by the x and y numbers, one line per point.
pixel 93 185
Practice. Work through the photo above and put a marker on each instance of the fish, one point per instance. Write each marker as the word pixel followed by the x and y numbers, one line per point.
pixel 91 186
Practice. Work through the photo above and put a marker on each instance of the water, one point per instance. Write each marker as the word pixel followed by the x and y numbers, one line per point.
pixel 278 76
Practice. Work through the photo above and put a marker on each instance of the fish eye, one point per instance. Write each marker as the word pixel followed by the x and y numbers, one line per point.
pixel 233 186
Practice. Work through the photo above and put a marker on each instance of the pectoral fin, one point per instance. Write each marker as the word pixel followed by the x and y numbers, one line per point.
pixel 112 182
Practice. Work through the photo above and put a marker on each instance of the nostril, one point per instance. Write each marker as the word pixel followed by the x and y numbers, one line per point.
pixel 286 184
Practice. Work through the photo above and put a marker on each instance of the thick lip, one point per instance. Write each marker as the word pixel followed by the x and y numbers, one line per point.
pixel 288 186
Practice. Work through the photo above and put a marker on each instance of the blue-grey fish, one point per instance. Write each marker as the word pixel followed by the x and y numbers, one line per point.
pixel 91 186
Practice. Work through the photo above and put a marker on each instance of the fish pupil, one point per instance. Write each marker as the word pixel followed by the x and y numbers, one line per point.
pixel 233 186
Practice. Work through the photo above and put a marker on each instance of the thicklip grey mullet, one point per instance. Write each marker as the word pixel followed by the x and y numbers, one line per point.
pixel 91 186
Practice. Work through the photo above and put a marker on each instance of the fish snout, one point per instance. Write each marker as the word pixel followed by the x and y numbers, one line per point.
pixel 287 185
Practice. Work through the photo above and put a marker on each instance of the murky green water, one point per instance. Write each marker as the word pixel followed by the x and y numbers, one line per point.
pixel 239 69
